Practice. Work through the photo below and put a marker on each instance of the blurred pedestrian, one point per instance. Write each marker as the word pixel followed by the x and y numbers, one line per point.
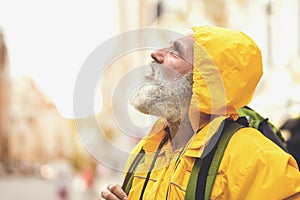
pixel 62 181
pixel 293 143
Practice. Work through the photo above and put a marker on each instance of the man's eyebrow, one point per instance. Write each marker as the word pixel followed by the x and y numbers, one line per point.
pixel 177 47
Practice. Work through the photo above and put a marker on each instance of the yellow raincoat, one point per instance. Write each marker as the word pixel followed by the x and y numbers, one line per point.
pixel 227 68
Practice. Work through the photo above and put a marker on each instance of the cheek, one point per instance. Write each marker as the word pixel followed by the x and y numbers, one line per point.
pixel 179 66
pixel 183 67
pixel 188 67
pixel 174 66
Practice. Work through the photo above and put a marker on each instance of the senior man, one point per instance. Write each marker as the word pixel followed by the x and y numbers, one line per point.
pixel 194 85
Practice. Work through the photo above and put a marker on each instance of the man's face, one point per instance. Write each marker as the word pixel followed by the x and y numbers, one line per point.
pixel 168 86
pixel 179 56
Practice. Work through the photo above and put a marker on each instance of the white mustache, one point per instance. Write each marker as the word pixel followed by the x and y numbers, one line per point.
pixel 149 73
pixel 155 72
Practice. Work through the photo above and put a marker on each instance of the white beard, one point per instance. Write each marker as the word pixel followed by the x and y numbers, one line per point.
pixel 165 98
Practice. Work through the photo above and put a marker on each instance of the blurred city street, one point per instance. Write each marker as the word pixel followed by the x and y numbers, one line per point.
pixel 34 187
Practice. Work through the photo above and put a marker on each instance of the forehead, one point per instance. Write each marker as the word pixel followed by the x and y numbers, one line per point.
pixel 186 41
pixel 184 46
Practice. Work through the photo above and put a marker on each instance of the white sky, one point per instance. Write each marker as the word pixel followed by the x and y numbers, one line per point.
pixel 49 41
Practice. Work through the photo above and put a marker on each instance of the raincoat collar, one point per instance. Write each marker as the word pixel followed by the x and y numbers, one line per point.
pixel 199 141
pixel 196 145
pixel 151 142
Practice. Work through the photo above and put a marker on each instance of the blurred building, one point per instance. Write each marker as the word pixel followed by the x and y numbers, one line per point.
pixel 38 132
pixel 32 132
pixel 4 106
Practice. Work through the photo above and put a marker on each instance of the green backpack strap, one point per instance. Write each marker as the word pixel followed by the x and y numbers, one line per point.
pixel 192 185
pixel 222 144
pixel 129 176
pixel 208 167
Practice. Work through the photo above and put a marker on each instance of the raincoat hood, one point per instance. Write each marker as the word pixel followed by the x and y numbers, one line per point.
pixel 227 69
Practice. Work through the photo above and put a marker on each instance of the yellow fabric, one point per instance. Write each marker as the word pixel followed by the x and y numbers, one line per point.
pixel 227 68
pixel 198 142
pixel 252 167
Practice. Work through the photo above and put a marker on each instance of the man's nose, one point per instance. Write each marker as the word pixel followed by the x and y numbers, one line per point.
pixel 158 55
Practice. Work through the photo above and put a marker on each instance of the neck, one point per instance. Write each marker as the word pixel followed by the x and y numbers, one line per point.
pixel 182 131
pixel 204 119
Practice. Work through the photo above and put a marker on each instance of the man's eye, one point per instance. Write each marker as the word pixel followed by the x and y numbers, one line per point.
pixel 175 54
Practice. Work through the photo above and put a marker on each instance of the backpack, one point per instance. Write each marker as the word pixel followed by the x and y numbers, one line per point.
pixel 200 188
pixel 207 165
pixel 262 124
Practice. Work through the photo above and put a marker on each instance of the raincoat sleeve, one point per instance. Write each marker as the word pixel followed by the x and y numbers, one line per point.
pixel 265 171
pixel 271 174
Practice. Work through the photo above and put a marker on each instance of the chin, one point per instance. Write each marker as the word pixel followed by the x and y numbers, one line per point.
pixel 158 100
pixel 168 110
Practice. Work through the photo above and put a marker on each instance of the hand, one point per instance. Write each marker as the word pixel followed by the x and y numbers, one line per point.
pixel 114 192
